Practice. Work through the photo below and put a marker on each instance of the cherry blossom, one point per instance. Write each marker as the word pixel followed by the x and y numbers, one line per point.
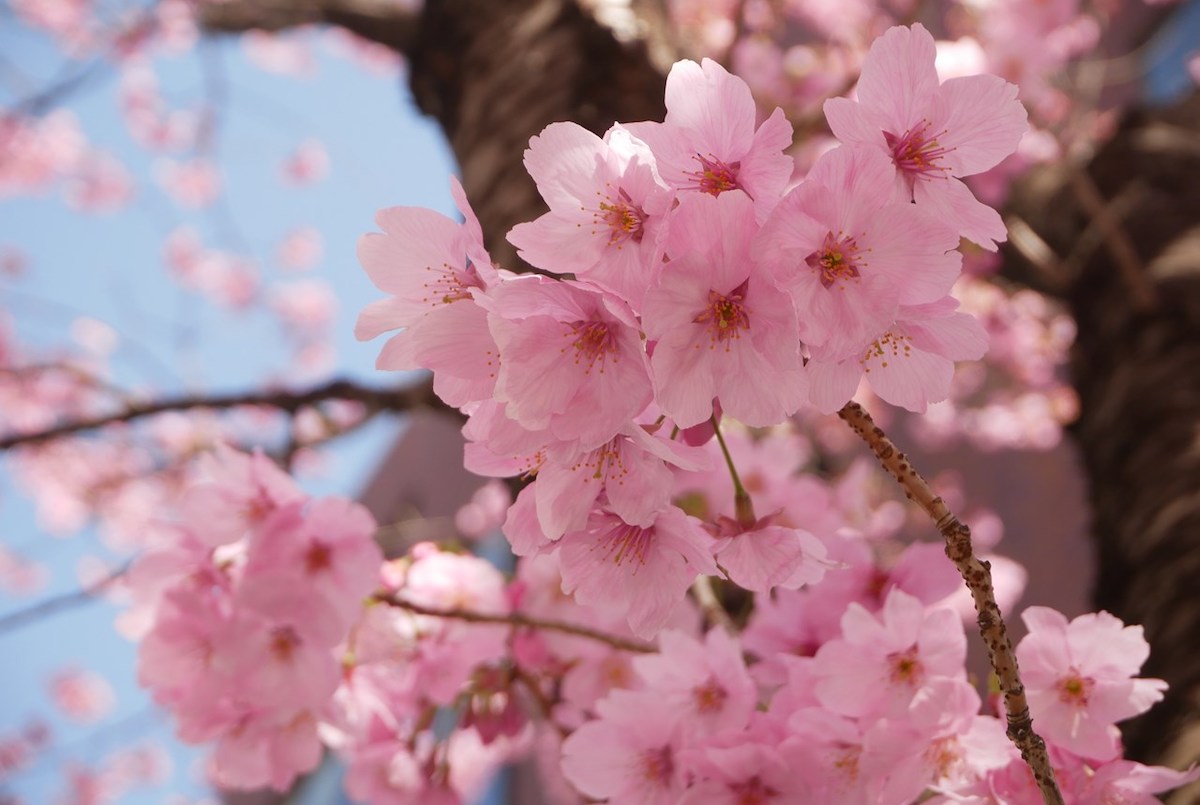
pixel 1081 677
pixel 934 133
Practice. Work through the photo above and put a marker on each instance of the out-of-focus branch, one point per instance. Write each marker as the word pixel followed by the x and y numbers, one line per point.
pixel 388 23
pixel 519 619
pixel 60 603
pixel 402 399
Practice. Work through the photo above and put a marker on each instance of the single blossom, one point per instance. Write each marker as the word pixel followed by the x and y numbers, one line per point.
pixel 850 257
pixel 607 209
pixel 910 364
pixel 1080 677
pixel 705 683
pixel 933 133
pixel 571 359
pixel 721 328
pixel 641 571
pixel 709 142
pixel 632 471
pixel 436 270
pixel 629 754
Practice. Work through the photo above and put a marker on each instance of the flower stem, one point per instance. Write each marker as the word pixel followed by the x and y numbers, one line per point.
pixel 742 505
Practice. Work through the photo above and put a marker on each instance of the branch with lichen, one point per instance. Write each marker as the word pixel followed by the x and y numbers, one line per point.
pixel 978 577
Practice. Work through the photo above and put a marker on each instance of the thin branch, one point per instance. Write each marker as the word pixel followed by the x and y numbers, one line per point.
pixel 978 577
pixel 1116 238
pixel 60 603
pixel 402 399
pixel 518 619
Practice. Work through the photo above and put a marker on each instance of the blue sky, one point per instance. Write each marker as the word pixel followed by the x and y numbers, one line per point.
pixel 110 268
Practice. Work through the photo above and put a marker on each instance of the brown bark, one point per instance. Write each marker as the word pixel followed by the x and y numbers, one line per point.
pixel 495 74
pixel 1129 230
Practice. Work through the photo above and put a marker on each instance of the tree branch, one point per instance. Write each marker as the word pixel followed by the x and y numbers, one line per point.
pixel 381 21
pixel 402 399
pixel 60 603
pixel 518 619
pixel 978 577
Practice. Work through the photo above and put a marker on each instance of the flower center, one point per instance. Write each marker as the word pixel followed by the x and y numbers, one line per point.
pixel 284 641
pixel 318 557
pixel 594 343
pixel 845 762
pixel 726 314
pixel 917 152
pixel 627 542
pixel 657 765
pixel 450 284
pixel 710 697
pixel 623 219
pixel 605 462
pixel 906 667
pixel 753 792
pixel 714 176
pixel 889 345
pixel 837 260
pixel 1075 689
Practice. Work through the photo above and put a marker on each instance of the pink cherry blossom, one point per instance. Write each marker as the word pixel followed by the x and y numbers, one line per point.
pixel 193 184
pixel 934 133
pixel 484 512
pixel 259 753
pixel 910 365
pixel 567 348
pixel 629 753
pixel 642 572
pixel 433 268
pixel 849 259
pixel 100 184
pixel 883 660
pixel 285 54
pixel 237 493
pixel 308 164
pixel 763 555
pixel 704 683
pixel 304 306
pixel 320 560
pixel 709 142
pixel 607 209
pixel 632 471
pixel 721 328
pixel 300 249
pixel 82 695
pixel 745 772
pixel 1080 678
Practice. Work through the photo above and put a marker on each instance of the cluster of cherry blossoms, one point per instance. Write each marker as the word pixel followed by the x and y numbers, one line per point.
pixel 702 287
pixel 688 285
pixel 239 617
pixel 272 627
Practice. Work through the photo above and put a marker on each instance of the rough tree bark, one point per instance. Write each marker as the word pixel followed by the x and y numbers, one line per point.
pixel 1122 237
pixel 1128 234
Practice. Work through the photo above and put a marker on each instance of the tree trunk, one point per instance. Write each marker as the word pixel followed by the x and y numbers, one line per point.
pixel 1136 366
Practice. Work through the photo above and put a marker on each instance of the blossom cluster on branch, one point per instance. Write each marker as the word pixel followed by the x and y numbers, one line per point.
pixel 692 619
